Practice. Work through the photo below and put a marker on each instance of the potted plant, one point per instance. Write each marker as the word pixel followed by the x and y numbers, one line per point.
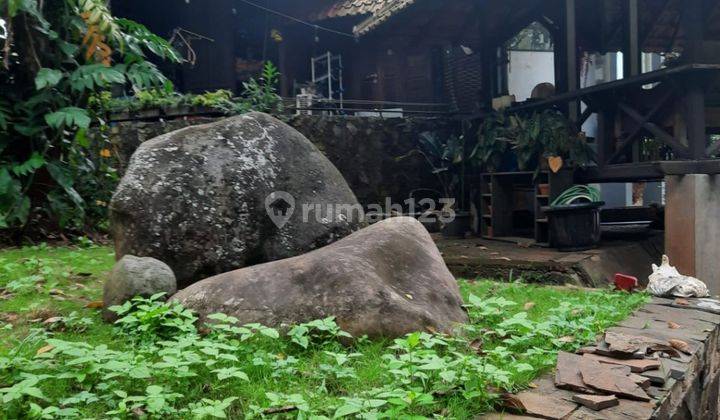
pixel 547 140
pixel 447 159
pixel 492 151
pixel 574 219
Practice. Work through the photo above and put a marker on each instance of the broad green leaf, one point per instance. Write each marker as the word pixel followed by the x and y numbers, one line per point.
pixel 68 117
pixel 154 390
pixel 347 410
pixel 47 78
pixel 35 162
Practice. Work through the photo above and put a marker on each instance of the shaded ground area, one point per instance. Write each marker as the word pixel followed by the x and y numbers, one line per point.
pixel 509 261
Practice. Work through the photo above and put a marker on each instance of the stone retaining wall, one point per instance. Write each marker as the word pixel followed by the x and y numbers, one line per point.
pixel 364 149
pixel 686 386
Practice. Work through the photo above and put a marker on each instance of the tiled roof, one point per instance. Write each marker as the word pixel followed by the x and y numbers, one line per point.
pixel 390 8
pixel 377 12
pixel 353 8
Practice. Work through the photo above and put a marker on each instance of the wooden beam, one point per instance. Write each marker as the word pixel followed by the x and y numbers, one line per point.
pixel 585 115
pixel 646 171
pixel 678 148
pixel 630 139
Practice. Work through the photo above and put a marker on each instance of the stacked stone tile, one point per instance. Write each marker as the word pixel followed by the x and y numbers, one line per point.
pixel 663 362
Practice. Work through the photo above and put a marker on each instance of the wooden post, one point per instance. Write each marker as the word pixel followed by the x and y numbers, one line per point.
pixel 571 57
pixel 487 60
pixel 632 53
pixel 693 25
pixel 605 135
pixel 694 111
pixel 694 107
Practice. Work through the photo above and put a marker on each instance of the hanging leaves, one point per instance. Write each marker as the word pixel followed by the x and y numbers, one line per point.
pixel 42 109
pixel 94 42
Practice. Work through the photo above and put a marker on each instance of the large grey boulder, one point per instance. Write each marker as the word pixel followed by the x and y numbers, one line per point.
pixel 133 276
pixel 196 198
pixel 383 281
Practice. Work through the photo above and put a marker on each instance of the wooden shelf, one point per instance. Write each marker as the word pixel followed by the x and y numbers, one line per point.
pixel 499 192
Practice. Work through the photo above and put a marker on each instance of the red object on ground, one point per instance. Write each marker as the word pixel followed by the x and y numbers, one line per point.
pixel 625 282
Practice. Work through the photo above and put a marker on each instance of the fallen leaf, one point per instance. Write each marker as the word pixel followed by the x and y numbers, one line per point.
pixel 477 346
pixel 680 345
pixel 529 306
pixel 681 301
pixel 52 320
pixel 673 325
pixel 98 304
pixel 512 401
pixel 567 339
pixel 430 329
pixel 9 317
pixel 532 385
pixel 44 349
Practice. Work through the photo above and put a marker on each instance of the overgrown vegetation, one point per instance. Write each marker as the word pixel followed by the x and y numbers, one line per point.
pixel 55 55
pixel 57 359
pixel 258 94
pixel 60 61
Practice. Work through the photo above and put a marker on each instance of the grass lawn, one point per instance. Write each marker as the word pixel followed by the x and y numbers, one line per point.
pixel 59 360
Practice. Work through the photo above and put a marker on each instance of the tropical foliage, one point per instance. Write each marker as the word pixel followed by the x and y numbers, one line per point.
pixel 56 54
pixel 493 141
pixel 532 138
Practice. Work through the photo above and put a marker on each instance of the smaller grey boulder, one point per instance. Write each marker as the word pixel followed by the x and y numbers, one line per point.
pixel 134 276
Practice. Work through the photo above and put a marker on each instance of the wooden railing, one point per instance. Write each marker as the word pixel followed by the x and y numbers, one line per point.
pixel 667 105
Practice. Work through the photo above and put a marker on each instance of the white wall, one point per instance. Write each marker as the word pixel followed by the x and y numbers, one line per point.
pixel 527 69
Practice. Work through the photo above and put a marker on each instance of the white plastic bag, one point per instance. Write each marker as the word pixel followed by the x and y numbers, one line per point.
pixel 666 281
